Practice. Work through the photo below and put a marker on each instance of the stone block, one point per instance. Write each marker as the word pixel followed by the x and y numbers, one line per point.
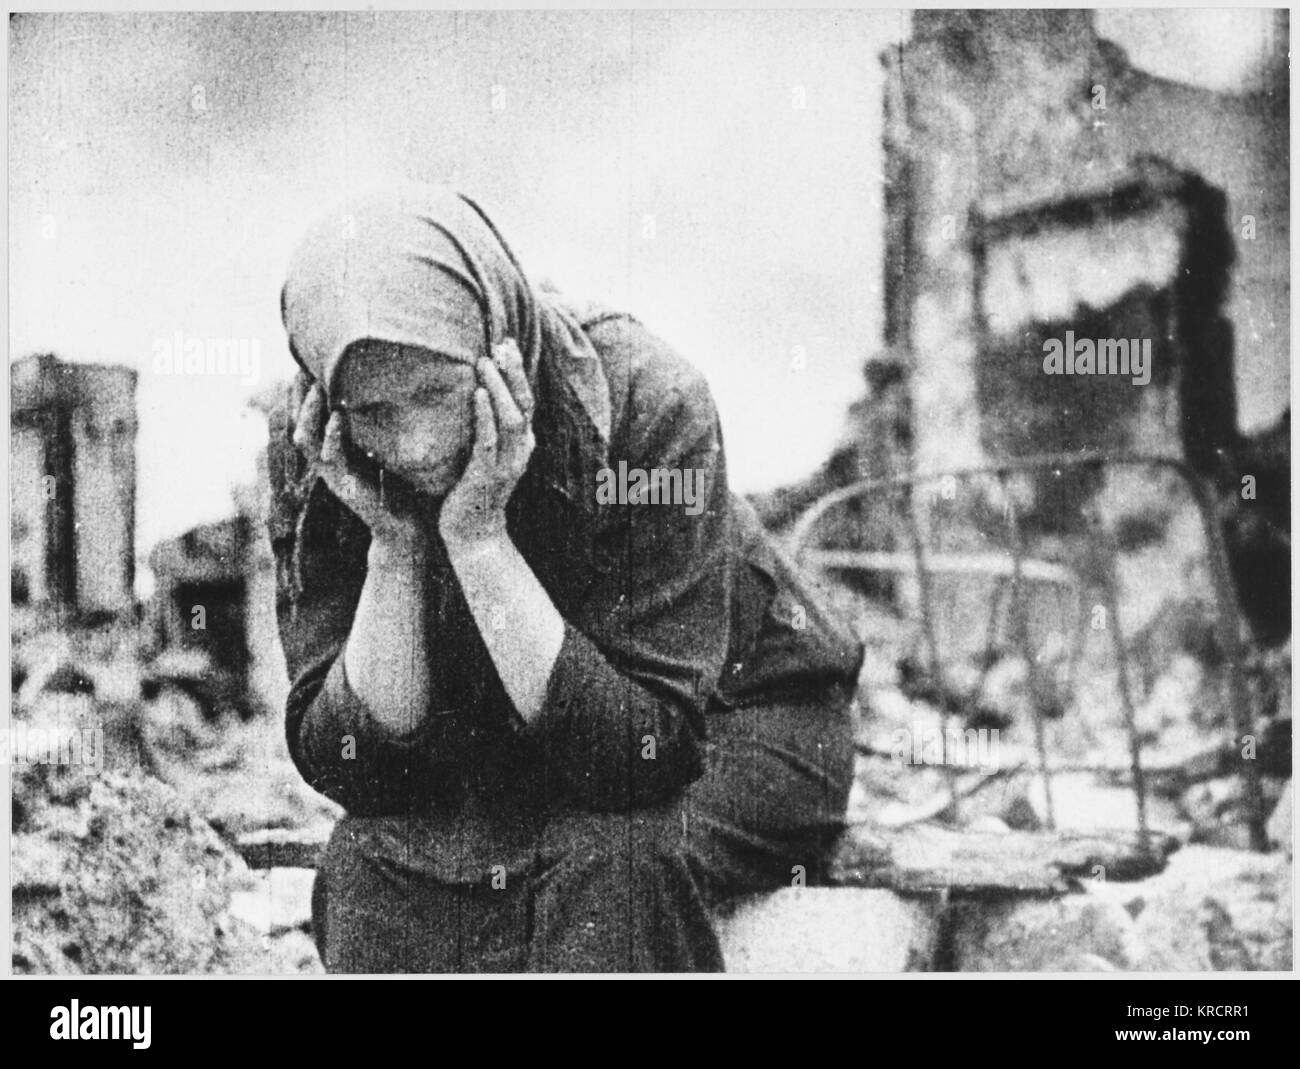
pixel 829 930
pixel 1215 910
pixel 1077 933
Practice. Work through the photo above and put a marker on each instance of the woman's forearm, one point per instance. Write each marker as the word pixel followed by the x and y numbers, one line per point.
pixel 386 657
pixel 521 627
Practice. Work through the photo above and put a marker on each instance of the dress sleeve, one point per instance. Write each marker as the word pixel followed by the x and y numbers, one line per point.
pixel 622 724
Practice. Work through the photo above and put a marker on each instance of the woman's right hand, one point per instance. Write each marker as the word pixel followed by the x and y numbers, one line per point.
pixel 318 434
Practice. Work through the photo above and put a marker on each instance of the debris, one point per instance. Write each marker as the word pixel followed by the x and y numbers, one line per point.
pixel 113 873
pixel 1215 909
pixel 284 847
pixel 280 901
pixel 1078 933
pixel 1279 826
pixel 928 857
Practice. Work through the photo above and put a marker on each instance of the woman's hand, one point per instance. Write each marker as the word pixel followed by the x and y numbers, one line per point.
pixel 319 436
pixel 474 512
pixel 519 624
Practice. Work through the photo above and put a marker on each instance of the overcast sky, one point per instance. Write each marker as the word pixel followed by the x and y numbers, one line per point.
pixel 717 173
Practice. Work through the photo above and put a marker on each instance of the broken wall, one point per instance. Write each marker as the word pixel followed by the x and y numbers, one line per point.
pixel 72 492
pixel 1009 120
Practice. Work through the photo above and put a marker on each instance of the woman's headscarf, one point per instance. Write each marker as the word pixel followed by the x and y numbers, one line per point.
pixel 425 266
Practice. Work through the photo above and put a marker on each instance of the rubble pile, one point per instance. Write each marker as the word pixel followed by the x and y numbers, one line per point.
pixel 1210 910
pixel 113 873
pixel 1115 631
pixel 126 809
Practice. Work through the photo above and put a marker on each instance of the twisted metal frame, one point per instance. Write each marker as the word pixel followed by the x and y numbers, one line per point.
pixel 1233 631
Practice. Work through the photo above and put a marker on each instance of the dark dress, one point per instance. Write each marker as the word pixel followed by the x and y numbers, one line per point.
pixel 695 741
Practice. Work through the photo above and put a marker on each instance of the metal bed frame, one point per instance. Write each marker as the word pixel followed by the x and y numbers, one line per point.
pixel 1013 576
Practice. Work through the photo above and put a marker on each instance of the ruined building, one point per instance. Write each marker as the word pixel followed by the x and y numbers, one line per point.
pixel 1041 189
pixel 216 596
pixel 72 485
pixel 1037 183
pixel 72 533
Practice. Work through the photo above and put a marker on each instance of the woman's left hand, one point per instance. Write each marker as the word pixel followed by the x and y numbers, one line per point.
pixel 474 512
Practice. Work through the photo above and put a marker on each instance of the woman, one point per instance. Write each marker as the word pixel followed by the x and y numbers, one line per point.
pixel 563 719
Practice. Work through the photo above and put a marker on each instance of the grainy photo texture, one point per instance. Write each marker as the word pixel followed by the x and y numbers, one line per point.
pixel 650 491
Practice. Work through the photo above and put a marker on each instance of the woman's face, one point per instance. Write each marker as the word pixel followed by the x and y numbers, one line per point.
pixel 412 409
